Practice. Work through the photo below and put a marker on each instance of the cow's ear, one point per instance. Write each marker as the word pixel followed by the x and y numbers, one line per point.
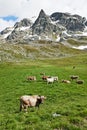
pixel 38 97
pixel 43 97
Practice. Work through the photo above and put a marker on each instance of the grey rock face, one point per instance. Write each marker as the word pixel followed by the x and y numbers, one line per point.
pixel 74 24
pixel 13 35
pixel 23 23
pixel 43 24
pixel 70 22
pixel 18 33
pixel 5 31
pixel 86 23
pixel 58 16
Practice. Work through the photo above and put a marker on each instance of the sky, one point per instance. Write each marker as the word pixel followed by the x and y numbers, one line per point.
pixel 12 11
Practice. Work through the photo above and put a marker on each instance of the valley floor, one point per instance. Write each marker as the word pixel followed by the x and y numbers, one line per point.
pixel 65 106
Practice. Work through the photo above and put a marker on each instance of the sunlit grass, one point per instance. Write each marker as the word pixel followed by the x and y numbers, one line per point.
pixel 69 101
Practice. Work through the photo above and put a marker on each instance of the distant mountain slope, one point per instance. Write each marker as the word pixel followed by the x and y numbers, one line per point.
pixel 38 50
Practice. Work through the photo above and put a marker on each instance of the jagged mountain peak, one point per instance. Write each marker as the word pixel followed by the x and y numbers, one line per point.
pixel 42 16
pixel 42 13
pixel 23 23
pixel 42 24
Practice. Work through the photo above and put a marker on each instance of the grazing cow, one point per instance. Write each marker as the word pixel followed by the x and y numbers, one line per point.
pixel 74 77
pixel 50 80
pixel 79 81
pixel 30 101
pixel 31 78
pixel 66 81
pixel 44 77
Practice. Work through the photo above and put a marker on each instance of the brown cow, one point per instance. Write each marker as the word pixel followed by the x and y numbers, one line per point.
pixel 31 78
pixel 30 101
pixel 44 77
pixel 74 77
pixel 79 81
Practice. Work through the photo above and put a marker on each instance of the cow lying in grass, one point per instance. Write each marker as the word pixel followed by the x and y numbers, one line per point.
pixel 66 81
pixel 79 81
pixel 30 101
pixel 74 77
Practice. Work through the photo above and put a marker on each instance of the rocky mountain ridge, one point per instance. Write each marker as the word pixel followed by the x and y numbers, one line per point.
pixel 50 36
pixel 55 27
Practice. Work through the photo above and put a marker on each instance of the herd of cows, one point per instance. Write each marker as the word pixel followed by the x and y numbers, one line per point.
pixel 35 100
pixel 51 79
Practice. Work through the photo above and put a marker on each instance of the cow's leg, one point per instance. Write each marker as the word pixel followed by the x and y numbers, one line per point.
pixel 25 108
pixel 21 105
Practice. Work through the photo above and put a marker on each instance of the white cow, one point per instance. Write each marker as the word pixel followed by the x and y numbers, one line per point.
pixel 50 80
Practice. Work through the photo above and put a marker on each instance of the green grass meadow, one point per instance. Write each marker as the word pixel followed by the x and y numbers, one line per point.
pixel 67 101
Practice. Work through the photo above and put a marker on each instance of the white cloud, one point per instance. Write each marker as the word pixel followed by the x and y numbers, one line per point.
pixel 29 8
pixel 4 24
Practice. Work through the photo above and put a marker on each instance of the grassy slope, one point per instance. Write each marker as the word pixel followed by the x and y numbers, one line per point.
pixel 82 41
pixel 34 50
pixel 67 100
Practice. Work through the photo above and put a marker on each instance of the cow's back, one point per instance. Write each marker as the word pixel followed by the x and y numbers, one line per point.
pixel 29 100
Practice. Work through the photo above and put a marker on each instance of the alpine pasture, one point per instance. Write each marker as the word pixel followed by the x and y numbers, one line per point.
pixel 65 107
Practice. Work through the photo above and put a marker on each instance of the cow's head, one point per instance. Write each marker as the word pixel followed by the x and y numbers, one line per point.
pixel 40 99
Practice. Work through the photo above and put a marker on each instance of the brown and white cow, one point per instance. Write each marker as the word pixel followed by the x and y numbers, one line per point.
pixel 30 101
pixel 66 81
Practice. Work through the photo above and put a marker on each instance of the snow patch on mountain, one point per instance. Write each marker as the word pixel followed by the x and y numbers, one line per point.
pixel 80 47
pixel 23 28
pixel 58 38
pixel 9 31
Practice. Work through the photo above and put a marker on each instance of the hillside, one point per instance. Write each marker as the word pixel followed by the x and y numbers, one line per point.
pixel 38 50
